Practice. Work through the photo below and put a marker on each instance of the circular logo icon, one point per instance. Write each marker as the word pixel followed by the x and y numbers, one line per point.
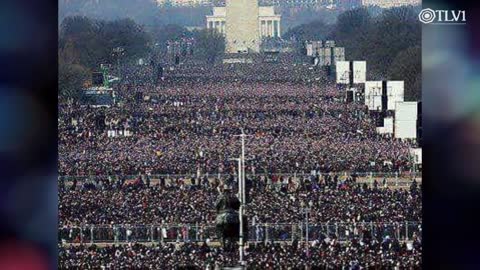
pixel 427 15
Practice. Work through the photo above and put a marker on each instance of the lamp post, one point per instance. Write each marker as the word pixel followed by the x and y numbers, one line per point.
pixel 306 210
pixel 240 212
pixel 242 137
pixel 241 188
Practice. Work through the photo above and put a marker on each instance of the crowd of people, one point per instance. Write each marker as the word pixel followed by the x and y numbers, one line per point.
pixel 186 125
pixel 328 198
pixel 181 120
pixel 328 253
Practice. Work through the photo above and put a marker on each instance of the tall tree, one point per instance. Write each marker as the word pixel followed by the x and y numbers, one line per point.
pixel 93 41
pixel 396 30
pixel 127 34
pixel 407 66
pixel 71 78
pixel 210 44
pixel 170 32
pixel 351 31
pixel 86 43
pixel 316 30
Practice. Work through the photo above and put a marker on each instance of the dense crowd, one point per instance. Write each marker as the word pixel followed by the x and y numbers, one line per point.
pixel 327 253
pixel 286 67
pixel 187 125
pixel 184 123
pixel 328 198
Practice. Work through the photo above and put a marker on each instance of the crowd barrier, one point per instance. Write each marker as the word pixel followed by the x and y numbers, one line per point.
pixel 392 179
pixel 403 231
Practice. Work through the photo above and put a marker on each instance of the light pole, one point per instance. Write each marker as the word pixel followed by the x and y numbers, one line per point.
pixel 240 212
pixel 243 168
pixel 306 210
pixel 242 137
pixel 241 187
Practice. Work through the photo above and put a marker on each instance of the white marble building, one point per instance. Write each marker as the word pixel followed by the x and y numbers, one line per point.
pixel 268 21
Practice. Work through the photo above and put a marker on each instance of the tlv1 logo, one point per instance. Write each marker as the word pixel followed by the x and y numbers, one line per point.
pixel 430 16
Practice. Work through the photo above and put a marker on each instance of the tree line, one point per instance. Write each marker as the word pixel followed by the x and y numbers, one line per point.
pixel 86 43
pixel 390 42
